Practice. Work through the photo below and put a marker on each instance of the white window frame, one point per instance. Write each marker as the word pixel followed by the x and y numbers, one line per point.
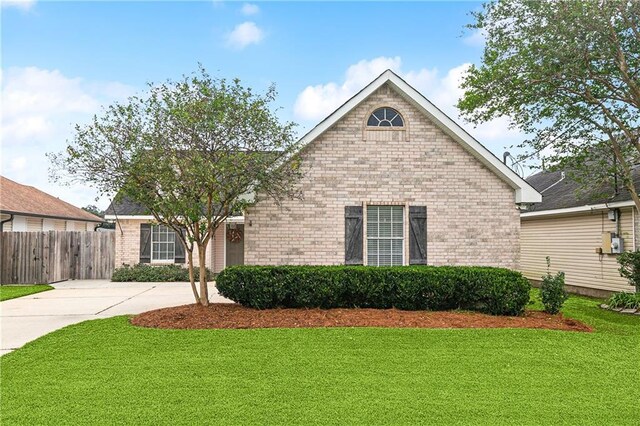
pixel 153 234
pixel 392 238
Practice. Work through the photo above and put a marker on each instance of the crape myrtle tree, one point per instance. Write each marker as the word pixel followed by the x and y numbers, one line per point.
pixel 567 73
pixel 192 152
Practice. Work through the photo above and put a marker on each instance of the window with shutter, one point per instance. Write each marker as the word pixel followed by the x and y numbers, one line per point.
pixel 385 235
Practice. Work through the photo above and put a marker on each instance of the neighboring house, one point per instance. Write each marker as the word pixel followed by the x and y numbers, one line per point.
pixel 25 208
pixel 577 229
pixel 389 180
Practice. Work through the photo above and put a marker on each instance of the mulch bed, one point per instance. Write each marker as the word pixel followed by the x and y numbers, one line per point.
pixel 229 315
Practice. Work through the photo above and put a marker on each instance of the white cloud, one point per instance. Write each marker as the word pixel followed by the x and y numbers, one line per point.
pixel 477 38
pixel 18 164
pixel 316 102
pixel 244 34
pixel 39 109
pixel 20 4
pixel 250 9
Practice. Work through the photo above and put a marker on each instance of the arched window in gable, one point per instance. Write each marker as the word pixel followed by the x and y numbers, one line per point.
pixel 385 117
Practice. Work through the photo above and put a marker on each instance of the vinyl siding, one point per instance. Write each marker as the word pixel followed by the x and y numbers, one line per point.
pixel 34 224
pixel 571 242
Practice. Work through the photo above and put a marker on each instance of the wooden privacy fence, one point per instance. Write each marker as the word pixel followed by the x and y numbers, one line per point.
pixel 47 257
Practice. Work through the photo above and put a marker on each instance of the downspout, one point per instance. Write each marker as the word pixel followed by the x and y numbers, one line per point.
pixel 5 221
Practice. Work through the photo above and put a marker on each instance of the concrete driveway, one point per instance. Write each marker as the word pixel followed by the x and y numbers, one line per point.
pixel 27 318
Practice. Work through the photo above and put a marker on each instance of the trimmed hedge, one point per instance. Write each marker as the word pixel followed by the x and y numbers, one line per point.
pixel 161 273
pixel 491 290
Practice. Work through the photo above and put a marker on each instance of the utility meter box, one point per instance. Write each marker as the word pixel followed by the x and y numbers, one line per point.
pixel 617 246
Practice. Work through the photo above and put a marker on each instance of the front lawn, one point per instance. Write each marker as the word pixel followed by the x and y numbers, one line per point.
pixel 12 291
pixel 107 371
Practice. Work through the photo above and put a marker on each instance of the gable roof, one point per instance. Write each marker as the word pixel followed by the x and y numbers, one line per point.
pixel 25 200
pixel 525 193
pixel 563 194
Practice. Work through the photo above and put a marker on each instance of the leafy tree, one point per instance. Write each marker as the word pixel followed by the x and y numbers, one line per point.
pixel 93 210
pixel 568 73
pixel 192 152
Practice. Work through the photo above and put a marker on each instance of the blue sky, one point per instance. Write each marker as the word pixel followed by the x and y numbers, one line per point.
pixel 62 60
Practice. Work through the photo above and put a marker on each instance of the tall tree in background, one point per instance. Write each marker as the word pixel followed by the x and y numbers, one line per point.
pixel 192 152
pixel 568 73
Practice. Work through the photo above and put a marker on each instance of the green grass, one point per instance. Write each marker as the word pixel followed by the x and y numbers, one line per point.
pixel 107 372
pixel 12 291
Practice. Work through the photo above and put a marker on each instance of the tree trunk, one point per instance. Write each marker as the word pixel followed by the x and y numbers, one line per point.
pixel 204 291
pixel 192 280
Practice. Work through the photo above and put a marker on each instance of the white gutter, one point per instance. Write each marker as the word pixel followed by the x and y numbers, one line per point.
pixel 579 209
pixel 125 217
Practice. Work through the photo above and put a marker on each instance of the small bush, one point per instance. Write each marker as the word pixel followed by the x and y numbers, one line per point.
pixel 630 267
pixel 552 292
pixel 162 273
pixel 624 301
pixel 491 290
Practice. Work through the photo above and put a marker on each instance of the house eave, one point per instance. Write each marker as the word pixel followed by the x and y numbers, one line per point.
pixel 230 219
pixel 577 210
pixel 47 216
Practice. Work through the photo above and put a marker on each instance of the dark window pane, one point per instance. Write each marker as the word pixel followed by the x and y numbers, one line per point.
pixel 372 121
pixel 379 113
pixel 397 122
pixel 385 123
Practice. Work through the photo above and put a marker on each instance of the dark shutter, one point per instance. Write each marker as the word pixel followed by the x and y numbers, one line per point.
pixel 417 235
pixel 179 253
pixel 145 243
pixel 353 235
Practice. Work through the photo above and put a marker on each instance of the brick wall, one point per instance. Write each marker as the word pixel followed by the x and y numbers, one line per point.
pixel 471 215
pixel 128 244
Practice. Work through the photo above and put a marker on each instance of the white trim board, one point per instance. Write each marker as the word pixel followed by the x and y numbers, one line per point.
pixel 579 209
pixel 524 193
pixel 131 217
pixel 230 219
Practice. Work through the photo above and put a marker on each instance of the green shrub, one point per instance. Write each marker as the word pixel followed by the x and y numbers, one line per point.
pixel 552 292
pixel 630 267
pixel 624 301
pixel 492 290
pixel 161 273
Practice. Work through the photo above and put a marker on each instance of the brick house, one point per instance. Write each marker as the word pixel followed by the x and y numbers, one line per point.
pixel 389 180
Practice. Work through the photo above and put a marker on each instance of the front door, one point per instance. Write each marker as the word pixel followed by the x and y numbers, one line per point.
pixel 235 244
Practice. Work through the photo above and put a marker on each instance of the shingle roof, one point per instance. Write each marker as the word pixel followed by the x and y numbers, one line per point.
pixel 125 206
pixel 29 201
pixel 566 193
